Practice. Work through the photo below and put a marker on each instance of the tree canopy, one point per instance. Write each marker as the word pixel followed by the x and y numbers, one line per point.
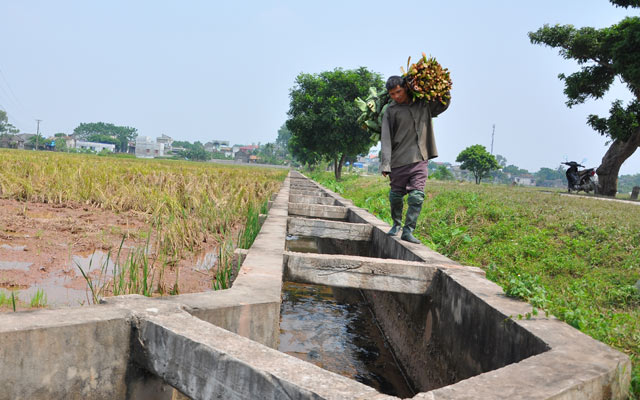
pixel 442 173
pixel 323 115
pixel 478 160
pixel 5 126
pixel 122 134
pixel 603 55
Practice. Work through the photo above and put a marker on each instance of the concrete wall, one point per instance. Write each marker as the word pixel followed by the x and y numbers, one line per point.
pixel 82 353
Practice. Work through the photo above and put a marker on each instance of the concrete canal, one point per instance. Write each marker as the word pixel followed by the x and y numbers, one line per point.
pixel 343 302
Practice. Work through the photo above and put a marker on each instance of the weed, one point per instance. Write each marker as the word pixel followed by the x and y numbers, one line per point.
pixel 39 299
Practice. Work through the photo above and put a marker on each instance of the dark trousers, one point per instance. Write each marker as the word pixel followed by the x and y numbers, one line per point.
pixel 409 177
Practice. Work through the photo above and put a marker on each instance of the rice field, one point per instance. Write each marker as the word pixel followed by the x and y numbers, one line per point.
pixel 182 208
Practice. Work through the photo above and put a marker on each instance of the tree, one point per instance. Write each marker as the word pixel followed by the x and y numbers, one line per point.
pixel 502 160
pixel 100 138
pixel 514 170
pixel 442 173
pixel 604 54
pixel 548 174
pixel 61 144
pixel 122 134
pixel 194 152
pixel 323 116
pixel 38 142
pixel 5 126
pixel 284 135
pixel 478 160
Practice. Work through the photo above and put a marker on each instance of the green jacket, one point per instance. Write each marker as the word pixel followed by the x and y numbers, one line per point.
pixel 407 133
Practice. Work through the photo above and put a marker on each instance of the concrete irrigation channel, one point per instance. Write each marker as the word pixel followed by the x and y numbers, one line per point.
pixel 452 332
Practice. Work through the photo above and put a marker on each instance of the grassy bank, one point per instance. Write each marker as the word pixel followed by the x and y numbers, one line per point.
pixel 577 258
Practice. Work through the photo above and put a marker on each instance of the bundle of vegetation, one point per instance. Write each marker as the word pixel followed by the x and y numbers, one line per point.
pixel 426 80
pixel 373 109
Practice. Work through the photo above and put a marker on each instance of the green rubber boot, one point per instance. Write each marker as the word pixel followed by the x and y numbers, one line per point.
pixel 397 203
pixel 415 199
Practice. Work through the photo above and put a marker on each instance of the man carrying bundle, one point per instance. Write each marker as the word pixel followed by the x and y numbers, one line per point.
pixel 407 146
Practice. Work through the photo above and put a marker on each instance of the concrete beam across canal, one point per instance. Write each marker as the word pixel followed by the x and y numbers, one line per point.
pixel 327 201
pixel 204 361
pixel 385 275
pixel 318 211
pixel 307 192
pixel 328 229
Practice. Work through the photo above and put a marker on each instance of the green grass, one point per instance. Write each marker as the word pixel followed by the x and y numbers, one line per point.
pixel 577 258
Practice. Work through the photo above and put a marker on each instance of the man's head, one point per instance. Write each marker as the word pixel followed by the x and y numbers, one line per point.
pixel 397 89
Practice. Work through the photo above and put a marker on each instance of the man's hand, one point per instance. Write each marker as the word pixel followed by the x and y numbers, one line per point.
pixel 385 173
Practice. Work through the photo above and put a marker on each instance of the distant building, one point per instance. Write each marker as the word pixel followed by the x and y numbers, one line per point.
pixel 227 151
pixel 241 156
pixel 167 141
pixel 147 148
pixel 524 180
pixel 15 141
pixel 216 145
pixel 97 147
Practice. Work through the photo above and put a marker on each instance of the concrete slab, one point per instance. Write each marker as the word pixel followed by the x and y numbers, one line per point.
pixel 318 211
pixel 312 200
pixel 316 193
pixel 359 272
pixel 328 229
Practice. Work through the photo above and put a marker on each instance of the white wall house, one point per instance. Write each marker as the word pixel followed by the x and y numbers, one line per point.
pixel 148 148
pixel 525 180
pixel 166 140
pixel 97 147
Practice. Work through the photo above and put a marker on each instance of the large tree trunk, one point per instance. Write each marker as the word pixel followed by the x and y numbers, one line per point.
pixel 338 166
pixel 612 161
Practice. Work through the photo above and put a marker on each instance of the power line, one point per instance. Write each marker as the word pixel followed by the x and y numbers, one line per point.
pixel 17 101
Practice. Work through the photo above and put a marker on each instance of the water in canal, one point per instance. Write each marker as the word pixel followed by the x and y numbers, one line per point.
pixel 334 329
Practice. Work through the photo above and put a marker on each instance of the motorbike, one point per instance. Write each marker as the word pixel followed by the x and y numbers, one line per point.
pixel 578 180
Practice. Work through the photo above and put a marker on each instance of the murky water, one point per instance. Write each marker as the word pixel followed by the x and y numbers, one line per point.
pixel 93 262
pixel 17 265
pixel 334 329
pixel 301 244
pixel 206 260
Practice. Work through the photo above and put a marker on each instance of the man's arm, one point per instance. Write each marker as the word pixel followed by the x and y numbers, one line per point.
pixel 385 153
pixel 436 107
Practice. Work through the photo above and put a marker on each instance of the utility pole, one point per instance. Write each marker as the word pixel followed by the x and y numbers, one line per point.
pixel 492 135
pixel 38 133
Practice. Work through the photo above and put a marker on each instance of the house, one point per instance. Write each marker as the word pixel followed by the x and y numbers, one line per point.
pixel 241 156
pixel 93 146
pixel 147 148
pixel 524 180
pixel 215 145
pixel 167 141
pixel 227 151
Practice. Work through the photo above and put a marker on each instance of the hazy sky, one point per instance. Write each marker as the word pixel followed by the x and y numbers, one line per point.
pixel 203 70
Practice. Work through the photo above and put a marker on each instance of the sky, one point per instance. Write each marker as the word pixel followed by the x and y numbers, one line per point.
pixel 205 70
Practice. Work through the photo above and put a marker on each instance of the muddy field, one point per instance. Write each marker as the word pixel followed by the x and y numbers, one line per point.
pixel 43 246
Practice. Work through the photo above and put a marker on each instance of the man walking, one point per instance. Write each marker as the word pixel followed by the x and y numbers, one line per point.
pixel 407 146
